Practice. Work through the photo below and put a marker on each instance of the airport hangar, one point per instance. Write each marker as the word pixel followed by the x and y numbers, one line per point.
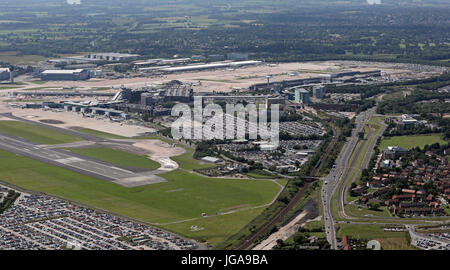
pixel 65 75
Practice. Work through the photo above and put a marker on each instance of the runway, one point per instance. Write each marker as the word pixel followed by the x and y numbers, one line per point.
pixel 78 164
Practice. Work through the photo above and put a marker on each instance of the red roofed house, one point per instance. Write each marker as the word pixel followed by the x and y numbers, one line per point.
pixel 345 242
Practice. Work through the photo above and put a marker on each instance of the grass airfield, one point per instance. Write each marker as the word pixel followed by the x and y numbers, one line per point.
pixel 178 205
pixel 35 133
pixel 117 157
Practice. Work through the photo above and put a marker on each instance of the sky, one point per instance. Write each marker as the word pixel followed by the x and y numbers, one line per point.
pixel 74 2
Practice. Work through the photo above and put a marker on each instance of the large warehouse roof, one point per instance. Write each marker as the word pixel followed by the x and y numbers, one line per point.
pixel 67 71
pixel 212 65
pixel 116 54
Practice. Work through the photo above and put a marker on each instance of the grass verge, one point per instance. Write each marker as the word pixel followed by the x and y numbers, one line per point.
pixel 36 133
pixel 117 157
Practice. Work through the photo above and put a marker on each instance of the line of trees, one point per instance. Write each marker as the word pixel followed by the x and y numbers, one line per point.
pixel 10 198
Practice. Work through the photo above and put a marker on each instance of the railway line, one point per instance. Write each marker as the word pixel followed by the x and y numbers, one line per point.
pixel 246 244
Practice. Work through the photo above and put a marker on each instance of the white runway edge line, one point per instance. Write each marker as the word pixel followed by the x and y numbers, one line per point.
pixel 107 173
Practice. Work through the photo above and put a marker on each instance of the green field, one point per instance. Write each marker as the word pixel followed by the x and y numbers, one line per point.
pixel 212 229
pixel 18 59
pixel 282 182
pixel 185 195
pixel 39 82
pixel 117 157
pixel 188 163
pixel 260 176
pixel 35 133
pixel 97 133
pixel 411 141
pixel 388 240
pixel 447 210
pixel 355 211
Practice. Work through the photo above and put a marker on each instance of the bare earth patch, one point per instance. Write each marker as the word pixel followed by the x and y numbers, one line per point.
pixel 70 119
pixel 161 152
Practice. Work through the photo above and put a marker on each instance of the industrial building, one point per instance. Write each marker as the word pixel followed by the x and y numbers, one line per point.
pixel 97 57
pixel 211 159
pixel 95 73
pixel 394 152
pixel 275 100
pixel 198 58
pixel 65 75
pixel 407 121
pixel 318 91
pixel 162 63
pixel 302 96
pixel 5 74
pixel 237 56
pixel 112 56
pixel 216 57
pixel 151 69
pixel 320 79
pixel 285 84
pixel 211 66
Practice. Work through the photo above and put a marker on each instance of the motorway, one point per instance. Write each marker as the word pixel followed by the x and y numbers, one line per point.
pixel 371 140
pixel 76 163
pixel 334 178
pixel 336 182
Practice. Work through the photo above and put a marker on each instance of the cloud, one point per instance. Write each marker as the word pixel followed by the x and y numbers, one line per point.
pixel 374 2
pixel 74 2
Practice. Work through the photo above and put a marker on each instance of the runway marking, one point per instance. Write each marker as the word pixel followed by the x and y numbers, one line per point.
pixel 69 160
pixel 116 175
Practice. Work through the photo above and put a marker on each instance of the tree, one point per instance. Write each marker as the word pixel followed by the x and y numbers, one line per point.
pixel 280 243
pixel 361 135
pixel 146 117
pixel 373 206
